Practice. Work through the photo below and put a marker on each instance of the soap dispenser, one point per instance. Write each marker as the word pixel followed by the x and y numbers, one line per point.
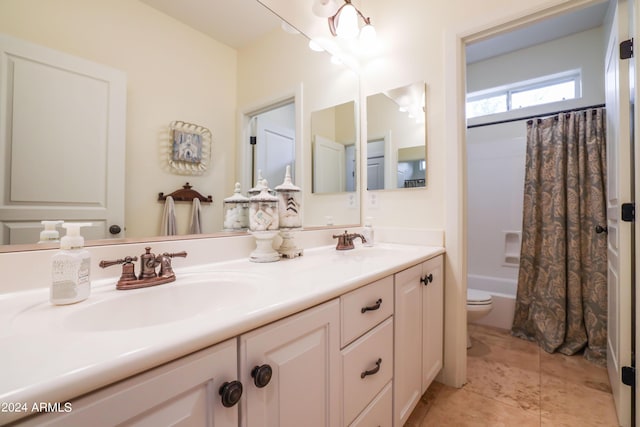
pixel 50 233
pixel 367 232
pixel 71 268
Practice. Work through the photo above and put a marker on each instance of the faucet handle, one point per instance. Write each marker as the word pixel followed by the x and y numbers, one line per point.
pixel 182 254
pixel 165 263
pixel 128 269
pixel 345 241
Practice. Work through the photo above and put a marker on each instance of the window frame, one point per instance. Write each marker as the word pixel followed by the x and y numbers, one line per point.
pixel 526 85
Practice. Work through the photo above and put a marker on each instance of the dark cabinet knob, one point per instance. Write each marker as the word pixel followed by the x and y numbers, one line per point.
pixel 115 229
pixel 426 279
pixel 231 392
pixel 261 375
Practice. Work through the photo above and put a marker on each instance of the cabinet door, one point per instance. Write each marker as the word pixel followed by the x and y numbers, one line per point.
pixel 303 352
pixel 407 382
pixel 433 320
pixel 184 392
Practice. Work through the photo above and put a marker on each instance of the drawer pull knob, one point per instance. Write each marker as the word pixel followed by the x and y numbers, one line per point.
pixel 427 279
pixel 261 375
pixel 372 371
pixel 231 393
pixel 372 307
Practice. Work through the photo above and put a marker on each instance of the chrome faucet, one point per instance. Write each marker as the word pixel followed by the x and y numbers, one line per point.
pixel 345 240
pixel 148 275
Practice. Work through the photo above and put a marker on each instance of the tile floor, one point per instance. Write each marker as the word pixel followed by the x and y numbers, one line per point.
pixel 511 382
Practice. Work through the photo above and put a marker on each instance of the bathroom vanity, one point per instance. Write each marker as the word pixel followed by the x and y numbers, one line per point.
pixel 329 338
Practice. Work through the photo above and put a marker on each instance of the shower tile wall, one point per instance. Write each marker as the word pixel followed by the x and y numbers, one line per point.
pixel 495 165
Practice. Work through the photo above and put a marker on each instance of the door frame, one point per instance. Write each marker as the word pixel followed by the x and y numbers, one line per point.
pixel 455 41
pixel 244 161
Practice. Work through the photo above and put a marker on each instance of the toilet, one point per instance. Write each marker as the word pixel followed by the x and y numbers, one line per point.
pixel 479 304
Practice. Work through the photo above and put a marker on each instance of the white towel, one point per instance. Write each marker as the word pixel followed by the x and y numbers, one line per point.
pixel 194 226
pixel 168 227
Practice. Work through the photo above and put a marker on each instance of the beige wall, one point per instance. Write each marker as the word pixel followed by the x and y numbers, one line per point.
pixel 166 82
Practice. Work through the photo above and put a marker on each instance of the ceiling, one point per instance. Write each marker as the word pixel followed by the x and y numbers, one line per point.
pixel 219 19
pixel 540 32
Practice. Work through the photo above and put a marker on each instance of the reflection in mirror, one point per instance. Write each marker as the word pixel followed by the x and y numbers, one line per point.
pixel 396 143
pixel 273 148
pixel 333 136
pixel 179 72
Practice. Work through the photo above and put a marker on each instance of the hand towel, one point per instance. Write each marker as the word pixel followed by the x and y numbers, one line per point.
pixel 168 227
pixel 194 226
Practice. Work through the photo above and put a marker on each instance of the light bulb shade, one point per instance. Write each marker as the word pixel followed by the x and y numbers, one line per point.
pixel 315 46
pixel 347 22
pixel 324 8
pixel 368 37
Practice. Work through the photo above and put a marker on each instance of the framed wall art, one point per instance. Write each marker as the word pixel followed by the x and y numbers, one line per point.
pixel 189 150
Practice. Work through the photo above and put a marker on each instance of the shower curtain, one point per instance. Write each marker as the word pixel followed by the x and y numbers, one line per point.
pixel 562 282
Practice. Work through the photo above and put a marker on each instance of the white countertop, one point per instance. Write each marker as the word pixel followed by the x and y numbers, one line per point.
pixel 47 357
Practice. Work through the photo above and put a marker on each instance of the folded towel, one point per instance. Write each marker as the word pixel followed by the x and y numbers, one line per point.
pixel 168 227
pixel 194 226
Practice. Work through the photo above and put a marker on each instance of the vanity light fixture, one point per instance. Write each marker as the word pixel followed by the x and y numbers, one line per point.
pixel 344 24
pixel 324 8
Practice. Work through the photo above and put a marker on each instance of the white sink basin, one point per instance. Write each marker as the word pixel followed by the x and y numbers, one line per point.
pixel 190 295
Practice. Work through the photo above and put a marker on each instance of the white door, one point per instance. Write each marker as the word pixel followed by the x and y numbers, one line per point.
pixel 328 166
pixel 350 161
pixel 275 149
pixel 407 378
pixel 375 164
pixel 432 320
pixel 619 232
pixel 291 371
pixel 62 135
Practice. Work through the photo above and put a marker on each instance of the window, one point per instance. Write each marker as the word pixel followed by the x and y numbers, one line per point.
pixel 558 87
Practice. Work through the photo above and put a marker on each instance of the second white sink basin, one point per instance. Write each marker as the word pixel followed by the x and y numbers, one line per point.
pixel 190 295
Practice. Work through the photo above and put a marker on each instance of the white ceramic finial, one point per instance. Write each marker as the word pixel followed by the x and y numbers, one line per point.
pixel 287 176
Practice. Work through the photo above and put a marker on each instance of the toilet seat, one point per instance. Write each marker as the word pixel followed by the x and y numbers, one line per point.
pixel 476 297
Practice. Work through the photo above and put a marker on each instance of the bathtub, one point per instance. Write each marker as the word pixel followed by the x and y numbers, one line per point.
pixel 503 294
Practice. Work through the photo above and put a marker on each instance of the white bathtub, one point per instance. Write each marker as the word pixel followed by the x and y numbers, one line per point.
pixel 503 294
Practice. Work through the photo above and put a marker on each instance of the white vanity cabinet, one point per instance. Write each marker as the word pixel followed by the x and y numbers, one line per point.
pixel 290 370
pixel 183 392
pixel 418 332
pixel 367 354
pixel 363 358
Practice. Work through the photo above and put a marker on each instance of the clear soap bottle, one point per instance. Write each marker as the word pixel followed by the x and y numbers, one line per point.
pixel 71 268
pixel 367 231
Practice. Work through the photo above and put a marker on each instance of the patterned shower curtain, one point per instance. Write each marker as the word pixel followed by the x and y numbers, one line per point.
pixel 562 283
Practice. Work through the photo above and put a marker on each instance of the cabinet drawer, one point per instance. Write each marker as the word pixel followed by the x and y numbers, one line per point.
pixel 359 387
pixel 379 412
pixel 360 310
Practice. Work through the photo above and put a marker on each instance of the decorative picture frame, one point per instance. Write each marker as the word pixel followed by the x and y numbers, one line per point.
pixel 189 148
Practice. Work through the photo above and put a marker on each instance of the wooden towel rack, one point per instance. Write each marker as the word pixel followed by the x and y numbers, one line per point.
pixel 185 194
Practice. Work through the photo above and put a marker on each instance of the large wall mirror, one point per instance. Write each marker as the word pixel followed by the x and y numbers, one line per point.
pixel 175 72
pixel 396 141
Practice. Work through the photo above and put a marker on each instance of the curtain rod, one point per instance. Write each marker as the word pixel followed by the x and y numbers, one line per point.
pixel 534 116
